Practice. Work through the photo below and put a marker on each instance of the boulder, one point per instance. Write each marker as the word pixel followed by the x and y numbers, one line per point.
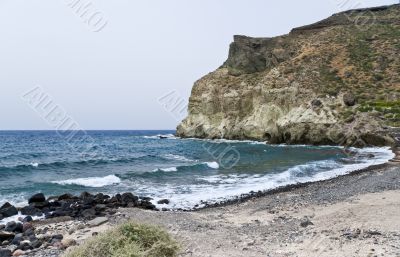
pixel 5 235
pixel 37 198
pixel 163 201
pixel 8 210
pixel 127 198
pixel 31 211
pixel 13 226
pixel 65 197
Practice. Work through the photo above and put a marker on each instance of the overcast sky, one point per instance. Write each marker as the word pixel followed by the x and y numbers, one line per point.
pixel 111 79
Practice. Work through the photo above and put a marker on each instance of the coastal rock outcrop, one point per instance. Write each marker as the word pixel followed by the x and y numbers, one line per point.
pixel 333 82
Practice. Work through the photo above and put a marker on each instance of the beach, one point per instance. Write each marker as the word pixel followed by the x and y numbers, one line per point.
pixel 352 215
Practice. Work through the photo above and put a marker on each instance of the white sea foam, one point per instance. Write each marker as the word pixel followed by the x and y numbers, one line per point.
pixel 34 164
pixel 212 165
pixel 91 182
pixel 159 136
pixel 19 216
pixel 172 169
pixel 178 158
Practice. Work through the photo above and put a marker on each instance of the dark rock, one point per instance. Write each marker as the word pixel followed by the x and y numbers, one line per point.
pixel 57 237
pixel 26 226
pixel 147 205
pixel 31 211
pixel 88 213
pixel 163 201
pixel 100 207
pixel 25 245
pixel 17 239
pixel 36 244
pixel 37 198
pixel 305 223
pixel 65 197
pixel 316 103
pixel 13 226
pixel 40 205
pixel 8 210
pixel 5 253
pixel 348 74
pixel 85 195
pixel 127 198
pixel 27 219
pixel 4 235
pixel 349 99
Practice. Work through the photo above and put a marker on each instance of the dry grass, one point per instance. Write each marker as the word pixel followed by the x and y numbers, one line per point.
pixel 128 240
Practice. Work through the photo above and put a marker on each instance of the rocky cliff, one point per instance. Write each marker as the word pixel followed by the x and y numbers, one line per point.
pixel 333 82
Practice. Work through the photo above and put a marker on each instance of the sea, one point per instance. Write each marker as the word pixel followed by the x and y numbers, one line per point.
pixel 156 164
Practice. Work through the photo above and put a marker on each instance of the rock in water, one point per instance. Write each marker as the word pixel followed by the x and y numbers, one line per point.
pixel 163 201
pixel 37 198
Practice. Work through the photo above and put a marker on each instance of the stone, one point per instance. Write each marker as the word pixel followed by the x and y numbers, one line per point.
pixel 316 103
pixel 163 201
pixel 27 226
pixel 18 252
pixel 58 237
pixel 36 244
pixel 349 99
pixel 37 198
pixel 305 222
pixel 27 219
pixel 5 253
pixel 25 245
pixel 30 210
pixel 13 226
pixel 17 239
pixel 129 198
pixel 65 197
pixel 97 221
pixel 85 195
pixel 88 213
pixel 8 210
pixel 4 235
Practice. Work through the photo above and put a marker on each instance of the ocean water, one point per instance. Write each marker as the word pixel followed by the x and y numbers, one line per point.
pixel 186 171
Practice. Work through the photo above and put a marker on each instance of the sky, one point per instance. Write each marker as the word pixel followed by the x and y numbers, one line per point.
pixel 109 64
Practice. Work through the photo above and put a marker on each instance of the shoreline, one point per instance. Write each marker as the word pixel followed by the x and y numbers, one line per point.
pixel 113 215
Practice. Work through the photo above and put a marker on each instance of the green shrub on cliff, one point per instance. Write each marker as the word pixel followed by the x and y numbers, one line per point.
pixel 128 240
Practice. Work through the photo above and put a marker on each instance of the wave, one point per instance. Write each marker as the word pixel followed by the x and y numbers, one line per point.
pixel 197 166
pixel 160 136
pixel 100 161
pixel 91 181
pixel 178 158
pixel 218 188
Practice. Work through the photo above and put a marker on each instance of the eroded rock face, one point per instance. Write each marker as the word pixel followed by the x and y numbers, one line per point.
pixel 296 88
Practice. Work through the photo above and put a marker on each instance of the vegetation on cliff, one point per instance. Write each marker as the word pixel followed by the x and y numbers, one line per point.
pixel 333 82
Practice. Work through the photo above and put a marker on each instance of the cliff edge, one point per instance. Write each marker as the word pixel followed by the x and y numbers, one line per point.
pixel 333 82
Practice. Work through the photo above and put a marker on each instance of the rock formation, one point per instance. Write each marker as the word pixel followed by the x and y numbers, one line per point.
pixel 333 82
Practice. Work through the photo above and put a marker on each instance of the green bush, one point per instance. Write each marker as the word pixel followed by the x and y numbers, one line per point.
pixel 128 240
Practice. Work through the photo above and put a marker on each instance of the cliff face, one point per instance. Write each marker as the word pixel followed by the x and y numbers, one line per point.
pixel 333 82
